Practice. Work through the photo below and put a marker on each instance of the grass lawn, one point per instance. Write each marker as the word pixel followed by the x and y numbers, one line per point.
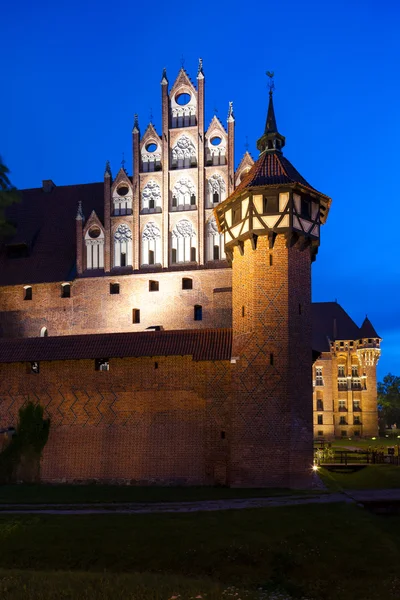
pixel 343 443
pixel 368 478
pixel 93 494
pixel 319 552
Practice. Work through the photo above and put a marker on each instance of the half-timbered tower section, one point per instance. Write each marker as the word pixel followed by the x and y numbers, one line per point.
pixel 271 225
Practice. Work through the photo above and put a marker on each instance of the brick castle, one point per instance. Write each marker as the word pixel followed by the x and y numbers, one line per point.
pixel 164 320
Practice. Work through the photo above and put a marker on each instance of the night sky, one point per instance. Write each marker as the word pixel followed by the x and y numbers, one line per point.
pixel 74 73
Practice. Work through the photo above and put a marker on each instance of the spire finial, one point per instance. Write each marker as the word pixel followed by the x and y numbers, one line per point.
pixel 230 112
pixel 123 161
pixel 135 124
pixel 79 214
pixel 164 79
pixel 107 172
pixel 271 83
pixel 200 74
pixel 271 140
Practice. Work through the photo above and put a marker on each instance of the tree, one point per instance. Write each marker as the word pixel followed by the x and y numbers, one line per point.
pixel 389 399
pixel 8 196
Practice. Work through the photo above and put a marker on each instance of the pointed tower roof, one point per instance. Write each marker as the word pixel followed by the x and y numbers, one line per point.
pixel 136 125
pixel 367 330
pixel 271 140
pixel 231 116
pixel 200 74
pixel 107 171
pixel 79 215
pixel 270 123
pixel 164 79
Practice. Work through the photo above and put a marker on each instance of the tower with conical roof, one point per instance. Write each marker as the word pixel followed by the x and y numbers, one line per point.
pixel 271 227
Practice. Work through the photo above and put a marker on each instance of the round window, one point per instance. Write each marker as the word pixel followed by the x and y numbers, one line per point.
pixel 152 147
pixel 123 190
pixel 216 141
pixel 182 99
pixel 94 232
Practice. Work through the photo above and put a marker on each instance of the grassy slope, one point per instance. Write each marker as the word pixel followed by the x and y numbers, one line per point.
pixel 321 551
pixel 369 478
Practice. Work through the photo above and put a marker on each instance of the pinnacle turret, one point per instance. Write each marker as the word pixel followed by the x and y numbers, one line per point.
pixel 271 140
pixel 79 215
pixel 231 116
pixel 107 171
pixel 136 125
pixel 164 79
pixel 200 74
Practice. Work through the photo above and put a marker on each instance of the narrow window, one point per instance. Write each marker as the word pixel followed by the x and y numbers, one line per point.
pixel 354 371
pixel 198 313
pixel 192 200
pixel 356 420
pixel 153 286
pixel 174 202
pixel 44 332
pixel 123 259
pixel 320 420
pixel 243 311
pixel 34 368
pixel 101 364
pixel 151 203
pixel 114 288
pixel 299 309
pixel 173 255
pixel 216 252
pixel 320 404
pixel 342 421
pixel 320 433
pixel 135 315
pixel 65 290
pixel 270 260
pixel 223 435
pixel 28 293
pixel 151 257
pixel 270 205
pixel 187 283
pixel 271 358
pixel 341 371
pixel 156 365
pixel 215 198
pixel 305 208
pixel 236 214
pixel 193 254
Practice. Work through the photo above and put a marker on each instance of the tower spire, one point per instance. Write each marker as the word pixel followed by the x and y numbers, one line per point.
pixel 200 74
pixel 271 140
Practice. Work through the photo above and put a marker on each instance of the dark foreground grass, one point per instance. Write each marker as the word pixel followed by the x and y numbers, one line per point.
pixel 368 478
pixel 321 552
pixel 94 494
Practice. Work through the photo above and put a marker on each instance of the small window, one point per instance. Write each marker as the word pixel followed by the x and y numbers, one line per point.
pixel 243 311
pixel 156 365
pixel 299 309
pixel 153 286
pixel 320 404
pixel 270 205
pixel 28 293
pixel 65 290
pixel 223 435
pixel 114 288
pixel 192 200
pixel 151 257
pixel 34 368
pixel 354 371
pixel 44 332
pixel 342 421
pixel 187 283
pixel 320 433
pixel 236 214
pixel 341 372
pixel 356 433
pixel 356 420
pixel 271 358
pixel 173 255
pixel 198 313
pixel 305 208
pixel 343 433
pixel 123 259
pixel 135 315
pixel 270 260
pixel 174 201
pixel 215 198
pixel 216 253
pixel 151 203
pixel 193 254
pixel 101 364
pixel 320 420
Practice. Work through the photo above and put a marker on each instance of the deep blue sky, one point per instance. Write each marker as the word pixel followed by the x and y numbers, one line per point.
pixel 74 73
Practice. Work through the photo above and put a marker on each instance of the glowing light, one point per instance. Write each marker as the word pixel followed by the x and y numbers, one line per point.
pixel 374 438
pixel 315 468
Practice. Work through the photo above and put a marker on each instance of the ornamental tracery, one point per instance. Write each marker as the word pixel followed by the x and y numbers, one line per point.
pixel 151 195
pixel 184 149
pixel 183 229
pixel 214 241
pixel 123 233
pixel 184 192
pixel 151 232
pixel 216 188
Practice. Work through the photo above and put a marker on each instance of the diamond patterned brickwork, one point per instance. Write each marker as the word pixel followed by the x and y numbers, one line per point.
pixel 272 407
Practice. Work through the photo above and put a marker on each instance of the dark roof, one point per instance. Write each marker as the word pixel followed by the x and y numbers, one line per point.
pixel 331 322
pixel 201 344
pixel 271 168
pixel 367 330
pixel 45 222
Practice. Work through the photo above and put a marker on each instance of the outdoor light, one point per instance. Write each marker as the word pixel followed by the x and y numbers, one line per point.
pixel 315 467
pixel 374 438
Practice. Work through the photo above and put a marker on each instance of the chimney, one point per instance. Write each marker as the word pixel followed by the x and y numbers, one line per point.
pixel 48 185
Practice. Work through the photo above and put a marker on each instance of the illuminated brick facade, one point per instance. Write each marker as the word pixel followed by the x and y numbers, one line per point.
pixel 218 264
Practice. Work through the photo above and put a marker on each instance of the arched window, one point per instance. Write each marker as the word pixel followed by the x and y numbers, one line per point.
pixel 151 196
pixel 214 242
pixel 94 242
pixel 216 188
pixel 184 153
pixel 151 244
pixel 183 245
pixel 123 246
pixel 183 194
pixel 65 290
pixel 28 292
pixel 122 199
pixel 44 332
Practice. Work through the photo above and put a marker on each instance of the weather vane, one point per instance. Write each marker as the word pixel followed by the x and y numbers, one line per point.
pixel 271 83
pixel 123 161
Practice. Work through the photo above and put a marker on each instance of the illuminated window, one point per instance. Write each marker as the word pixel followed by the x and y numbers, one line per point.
pixel 187 283
pixel 114 288
pixel 153 286
pixel 354 371
pixel 198 312
pixel 151 244
pixel 341 372
pixel 122 246
pixel 135 315
pixel 318 376
pixel 27 292
pixel 94 242
pixel 320 404
pixel 65 290
pixel 101 364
